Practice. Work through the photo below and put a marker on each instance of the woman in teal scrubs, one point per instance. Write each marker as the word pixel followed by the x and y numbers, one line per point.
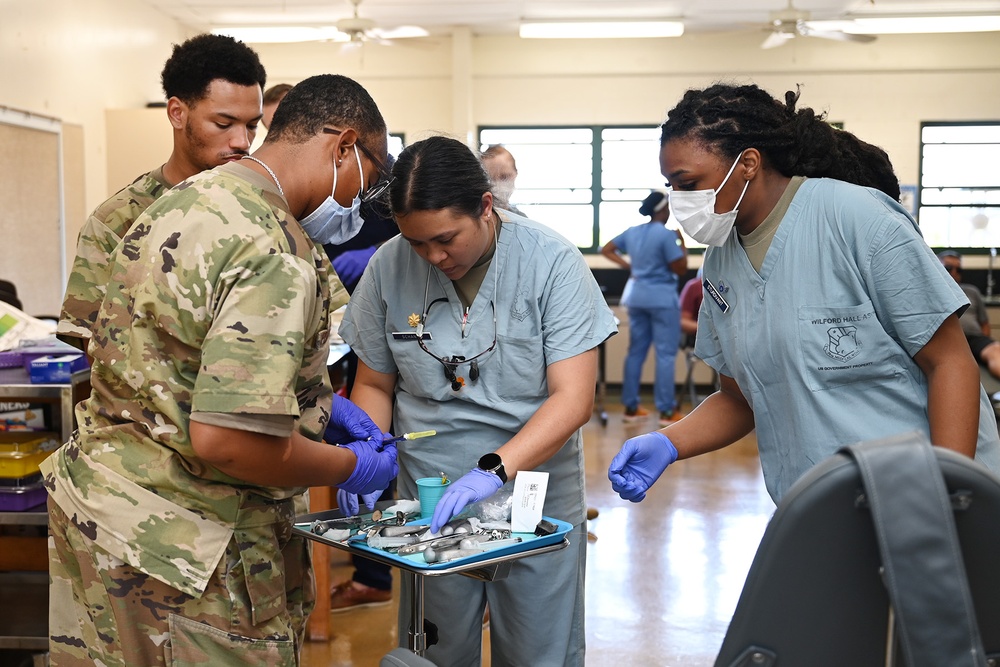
pixel 828 318
pixel 483 326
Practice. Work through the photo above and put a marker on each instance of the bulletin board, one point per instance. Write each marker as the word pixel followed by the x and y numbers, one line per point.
pixel 32 239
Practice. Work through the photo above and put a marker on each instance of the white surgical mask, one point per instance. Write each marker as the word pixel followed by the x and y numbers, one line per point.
pixel 695 212
pixel 332 223
pixel 502 191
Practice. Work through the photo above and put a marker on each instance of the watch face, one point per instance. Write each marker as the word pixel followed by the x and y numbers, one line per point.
pixel 490 461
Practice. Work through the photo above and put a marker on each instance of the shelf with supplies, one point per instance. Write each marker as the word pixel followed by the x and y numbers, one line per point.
pixel 24 577
pixel 16 387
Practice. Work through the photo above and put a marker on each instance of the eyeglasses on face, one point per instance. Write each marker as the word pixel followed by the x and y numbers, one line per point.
pixel 377 189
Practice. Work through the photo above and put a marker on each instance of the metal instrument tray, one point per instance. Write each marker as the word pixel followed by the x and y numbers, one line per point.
pixel 486 566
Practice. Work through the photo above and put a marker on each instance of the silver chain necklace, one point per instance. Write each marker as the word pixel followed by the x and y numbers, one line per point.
pixel 268 170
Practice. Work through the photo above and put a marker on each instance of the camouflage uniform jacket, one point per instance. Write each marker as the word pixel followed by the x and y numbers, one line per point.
pixel 98 238
pixel 218 302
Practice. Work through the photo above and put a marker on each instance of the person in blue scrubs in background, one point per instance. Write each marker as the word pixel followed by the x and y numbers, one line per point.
pixel 656 257
pixel 828 318
pixel 484 326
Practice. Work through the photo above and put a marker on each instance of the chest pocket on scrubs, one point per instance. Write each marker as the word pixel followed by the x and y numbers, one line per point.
pixel 419 373
pixel 842 346
pixel 522 367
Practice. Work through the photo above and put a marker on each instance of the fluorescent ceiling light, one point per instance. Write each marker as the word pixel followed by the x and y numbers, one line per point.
pixel 597 29
pixel 281 34
pixel 886 25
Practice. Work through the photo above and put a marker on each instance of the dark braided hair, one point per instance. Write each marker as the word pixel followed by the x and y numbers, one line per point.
pixel 728 119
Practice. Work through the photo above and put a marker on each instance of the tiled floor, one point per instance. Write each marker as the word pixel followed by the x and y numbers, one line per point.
pixel 663 575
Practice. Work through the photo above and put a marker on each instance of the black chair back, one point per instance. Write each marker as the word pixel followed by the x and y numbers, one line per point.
pixel 815 595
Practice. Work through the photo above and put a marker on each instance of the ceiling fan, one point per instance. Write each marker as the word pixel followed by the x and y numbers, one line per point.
pixel 360 29
pixel 790 23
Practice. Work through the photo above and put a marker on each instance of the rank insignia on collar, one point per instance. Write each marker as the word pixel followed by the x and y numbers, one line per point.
pixel 413 320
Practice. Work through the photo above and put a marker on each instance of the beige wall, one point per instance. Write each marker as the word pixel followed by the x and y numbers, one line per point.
pixel 89 63
pixel 76 60
pixel 128 128
pixel 72 60
pixel 881 91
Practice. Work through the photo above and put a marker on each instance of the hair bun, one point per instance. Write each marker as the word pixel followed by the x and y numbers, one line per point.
pixel 653 202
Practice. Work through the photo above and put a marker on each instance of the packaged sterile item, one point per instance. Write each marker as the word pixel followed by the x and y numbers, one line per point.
pixel 56 369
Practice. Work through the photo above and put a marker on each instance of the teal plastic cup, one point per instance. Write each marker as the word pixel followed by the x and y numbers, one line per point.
pixel 429 492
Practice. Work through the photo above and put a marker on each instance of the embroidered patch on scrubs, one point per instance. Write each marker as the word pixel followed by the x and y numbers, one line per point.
pixel 842 343
pixel 410 335
pixel 521 307
pixel 715 294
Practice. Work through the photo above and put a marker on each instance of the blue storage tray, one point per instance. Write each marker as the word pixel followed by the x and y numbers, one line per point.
pixel 528 542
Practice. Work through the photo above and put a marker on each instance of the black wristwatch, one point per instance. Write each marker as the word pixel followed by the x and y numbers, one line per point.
pixel 493 463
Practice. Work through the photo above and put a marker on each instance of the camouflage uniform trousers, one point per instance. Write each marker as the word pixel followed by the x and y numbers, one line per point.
pixel 104 612
pixel 300 580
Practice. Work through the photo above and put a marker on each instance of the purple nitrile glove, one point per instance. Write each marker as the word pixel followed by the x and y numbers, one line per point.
pixel 348 502
pixel 348 422
pixel 350 264
pixel 374 469
pixel 470 488
pixel 639 464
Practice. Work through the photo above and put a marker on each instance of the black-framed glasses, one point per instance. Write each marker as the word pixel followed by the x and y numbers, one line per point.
pixel 377 189
pixel 951 268
pixel 452 363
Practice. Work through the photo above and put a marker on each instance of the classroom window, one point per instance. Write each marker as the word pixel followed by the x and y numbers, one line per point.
pixel 396 143
pixel 959 190
pixel 584 182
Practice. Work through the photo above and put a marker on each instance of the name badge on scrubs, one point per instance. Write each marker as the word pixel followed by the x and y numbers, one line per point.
pixel 410 335
pixel 714 294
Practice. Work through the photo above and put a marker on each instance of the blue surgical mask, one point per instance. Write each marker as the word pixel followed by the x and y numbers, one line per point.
pixel 332 223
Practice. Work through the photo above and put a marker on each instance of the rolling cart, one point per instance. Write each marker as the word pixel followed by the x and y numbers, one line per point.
pixel 490 566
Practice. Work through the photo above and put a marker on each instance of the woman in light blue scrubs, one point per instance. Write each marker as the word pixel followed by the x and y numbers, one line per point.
pixel 656 257
pixel 828 318
pixel 484 326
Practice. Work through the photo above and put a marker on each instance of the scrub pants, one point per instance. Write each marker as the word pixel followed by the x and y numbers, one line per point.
pixel 660 327
pixel 536 612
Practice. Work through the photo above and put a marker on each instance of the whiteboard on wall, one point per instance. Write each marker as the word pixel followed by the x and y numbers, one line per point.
pixel 32 239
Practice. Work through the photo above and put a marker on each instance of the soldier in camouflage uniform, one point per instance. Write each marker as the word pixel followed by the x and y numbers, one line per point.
pixel 213 86
pixel 170 508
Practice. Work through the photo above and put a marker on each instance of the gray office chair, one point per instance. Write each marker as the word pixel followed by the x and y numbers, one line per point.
pixel 871 561
pixel 8 294
pixel 401 657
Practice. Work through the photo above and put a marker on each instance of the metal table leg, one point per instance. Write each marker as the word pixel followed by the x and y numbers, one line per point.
pixel 417 636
